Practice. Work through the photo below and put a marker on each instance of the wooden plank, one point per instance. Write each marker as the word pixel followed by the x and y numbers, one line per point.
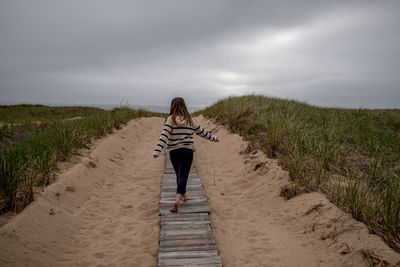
pixel 193 265
pixel 191 175
pixel 173 183
pixel 190 261
pixel 171 171
pixel 201 247
pixel 187 205
pixel 187 242
pixel 186 226
pixel 166 210
pixel 190 195
pixel 190 198
pixel 193 193
pixel 189 188
pixel 173 179
pixel 189 183
pixel 184 209
pixel 187 254
pixel 171 200
pixel 185 233
pixel 184 222
pixel 186 236
pixel 184 217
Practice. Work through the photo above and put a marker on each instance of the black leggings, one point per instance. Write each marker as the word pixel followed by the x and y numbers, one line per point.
pixel 181 159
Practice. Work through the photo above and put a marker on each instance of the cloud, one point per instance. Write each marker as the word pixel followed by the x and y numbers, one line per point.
pixel 336 53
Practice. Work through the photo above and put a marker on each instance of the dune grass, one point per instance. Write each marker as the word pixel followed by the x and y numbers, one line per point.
pixel 25 113
pixel 351 155
pixel 28 162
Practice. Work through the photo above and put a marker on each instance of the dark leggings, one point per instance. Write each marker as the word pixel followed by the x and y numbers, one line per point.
pixel 181 159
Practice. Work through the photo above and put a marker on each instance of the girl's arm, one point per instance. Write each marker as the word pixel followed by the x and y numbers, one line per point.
pixel 165 134
pixel 203 132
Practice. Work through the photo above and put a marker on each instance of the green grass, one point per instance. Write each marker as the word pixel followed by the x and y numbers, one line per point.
pixel 351 155
pixel 30 113
pixel 27 162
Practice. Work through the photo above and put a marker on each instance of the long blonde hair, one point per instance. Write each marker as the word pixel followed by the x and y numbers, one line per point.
pixel 178 107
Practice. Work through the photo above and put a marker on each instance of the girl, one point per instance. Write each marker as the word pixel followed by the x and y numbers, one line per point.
pixel 177 136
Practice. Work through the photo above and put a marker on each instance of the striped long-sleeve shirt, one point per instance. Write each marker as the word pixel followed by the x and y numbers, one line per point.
pixel 180 135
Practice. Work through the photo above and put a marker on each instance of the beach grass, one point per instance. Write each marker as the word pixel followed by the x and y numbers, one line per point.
pixel 27 113
pixel 351 155
pixel 29 159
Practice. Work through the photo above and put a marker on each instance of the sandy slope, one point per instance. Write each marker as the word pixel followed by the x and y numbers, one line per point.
pixel 103 211
pixel 254 226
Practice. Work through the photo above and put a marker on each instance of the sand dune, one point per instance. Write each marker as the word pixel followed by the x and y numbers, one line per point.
pixel 101 212
pixel 254 226
pixel 104 210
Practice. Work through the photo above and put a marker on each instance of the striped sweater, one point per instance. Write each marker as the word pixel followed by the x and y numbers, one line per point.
pixel 180 135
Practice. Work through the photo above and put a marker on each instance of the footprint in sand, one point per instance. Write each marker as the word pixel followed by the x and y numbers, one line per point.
pixel 149 213
pixel 98 255
pixel 107 232
pixel 125 241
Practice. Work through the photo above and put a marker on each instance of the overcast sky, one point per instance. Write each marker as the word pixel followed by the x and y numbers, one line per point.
pixel 329 53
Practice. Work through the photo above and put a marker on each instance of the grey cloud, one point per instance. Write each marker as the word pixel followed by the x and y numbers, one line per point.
pixel 148 51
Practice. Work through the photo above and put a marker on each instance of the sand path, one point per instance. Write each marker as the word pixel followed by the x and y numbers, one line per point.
pixel 104 210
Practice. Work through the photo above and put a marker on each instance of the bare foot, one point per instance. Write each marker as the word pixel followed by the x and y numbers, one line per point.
pixel 184 198
pixel 174 208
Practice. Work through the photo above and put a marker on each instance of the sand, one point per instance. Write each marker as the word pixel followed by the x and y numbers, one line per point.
pixel 103 211
pixel 254 226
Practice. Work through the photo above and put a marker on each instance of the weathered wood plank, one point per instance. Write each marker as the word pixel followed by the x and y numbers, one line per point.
pixel 184 230
pixel 187 236
pixel 173 183
pixel 187 254
pixel 190 199
pixel 173 227
pixel 185 217
pixel 188 189
pixel 187 242
pixel 193 194
pixel 173 180
pixel 179 224
pixel 201 247
pixel 184 209
pixel 188 205
pixel 190 261
pixel 189 184
pixel 172 172
pixel 171 200
pixel 191 175
pixel 194 265
pixel 185 220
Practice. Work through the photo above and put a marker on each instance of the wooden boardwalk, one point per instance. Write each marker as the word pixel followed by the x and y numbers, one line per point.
pixel 186 238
